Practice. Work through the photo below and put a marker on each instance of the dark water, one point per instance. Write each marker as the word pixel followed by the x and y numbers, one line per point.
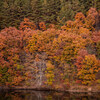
pixel 46 95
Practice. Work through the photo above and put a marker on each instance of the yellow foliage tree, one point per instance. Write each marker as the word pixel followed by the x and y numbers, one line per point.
pixel 89 67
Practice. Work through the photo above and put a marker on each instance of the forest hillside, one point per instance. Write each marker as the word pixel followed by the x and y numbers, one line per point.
pixel 44 51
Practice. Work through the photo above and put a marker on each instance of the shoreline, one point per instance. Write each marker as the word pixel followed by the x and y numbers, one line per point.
pixel 80 90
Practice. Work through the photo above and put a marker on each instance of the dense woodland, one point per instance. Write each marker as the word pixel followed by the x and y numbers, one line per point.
pixel 53 43
pixel 12 12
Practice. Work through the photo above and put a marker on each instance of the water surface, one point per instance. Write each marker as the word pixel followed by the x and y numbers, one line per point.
pixel 46 95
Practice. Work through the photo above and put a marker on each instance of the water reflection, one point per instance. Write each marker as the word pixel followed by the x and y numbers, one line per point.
pixel 46 95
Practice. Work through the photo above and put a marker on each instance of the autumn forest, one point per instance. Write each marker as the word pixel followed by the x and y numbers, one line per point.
pixel 53 45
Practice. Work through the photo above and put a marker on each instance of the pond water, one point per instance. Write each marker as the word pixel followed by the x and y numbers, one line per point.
pixel 46 95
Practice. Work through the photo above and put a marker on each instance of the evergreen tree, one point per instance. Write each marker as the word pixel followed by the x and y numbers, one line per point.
pixel 36 11
pixel 68 10
pixel 90 3
pixel 51 9
pixel 12 13
pixel 1 3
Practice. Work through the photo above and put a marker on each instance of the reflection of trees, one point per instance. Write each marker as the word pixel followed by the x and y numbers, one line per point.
pixel 10 96
pixel 16 97
pixel 46 95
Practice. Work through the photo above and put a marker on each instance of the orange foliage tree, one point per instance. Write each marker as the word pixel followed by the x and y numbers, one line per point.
pixel 9 57
pixel 87 67
pixel 27 24
pixel 91 19
pixel 67 45
pixel 42 26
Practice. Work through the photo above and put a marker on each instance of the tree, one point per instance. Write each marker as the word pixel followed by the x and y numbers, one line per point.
pixel 96 42
pixel 27 24
pixel 10 66
pixel 90 3
pixel 68 10
pixel 51 9
pixel 37 11
pixel 87 68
